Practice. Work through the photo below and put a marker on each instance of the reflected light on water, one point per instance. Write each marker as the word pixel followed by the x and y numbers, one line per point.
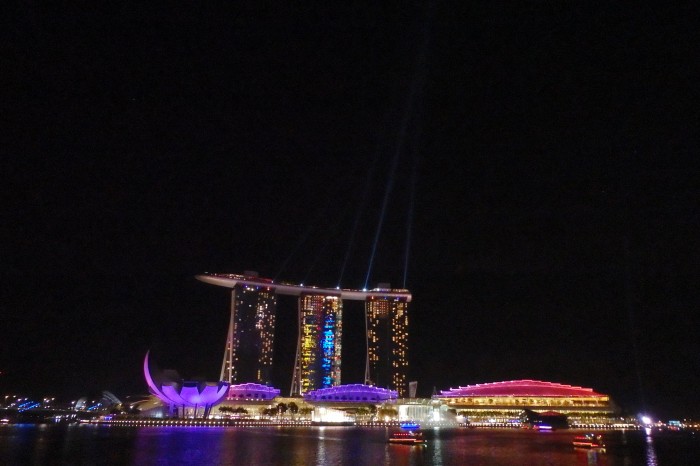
pixel 332 446
pixel 437 451
pixel 321 453
pixel 407 455
pixel 651 451
pixel 592 458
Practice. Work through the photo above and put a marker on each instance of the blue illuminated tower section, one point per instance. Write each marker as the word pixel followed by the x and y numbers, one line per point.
pixel 318 349
pixel 249 344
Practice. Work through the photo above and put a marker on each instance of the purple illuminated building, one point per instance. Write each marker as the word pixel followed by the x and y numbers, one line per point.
pixel 184 398
pixel 252 392
pixel 352 393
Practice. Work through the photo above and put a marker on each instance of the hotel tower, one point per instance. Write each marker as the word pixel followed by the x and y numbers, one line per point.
pixel 387 343
pixel 318 360
pixel 251 331
pixel 249 345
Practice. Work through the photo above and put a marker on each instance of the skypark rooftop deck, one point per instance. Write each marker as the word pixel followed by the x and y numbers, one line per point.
pixel 231 280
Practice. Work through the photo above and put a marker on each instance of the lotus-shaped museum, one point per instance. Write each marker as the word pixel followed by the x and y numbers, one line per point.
pixel 184 398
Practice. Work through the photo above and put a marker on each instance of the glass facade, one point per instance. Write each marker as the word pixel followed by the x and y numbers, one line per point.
pixel 320 333
pixel 248 356
pixel 250 342
pixel 387 343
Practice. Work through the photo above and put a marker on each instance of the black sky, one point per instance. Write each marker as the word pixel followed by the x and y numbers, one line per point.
pixel 555 227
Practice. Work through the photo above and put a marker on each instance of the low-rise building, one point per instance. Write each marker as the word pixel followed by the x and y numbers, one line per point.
pixel 504 402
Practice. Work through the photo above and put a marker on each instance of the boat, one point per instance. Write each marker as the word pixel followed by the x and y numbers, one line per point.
pixel 407 438
pixel 408 435
pixel 589 441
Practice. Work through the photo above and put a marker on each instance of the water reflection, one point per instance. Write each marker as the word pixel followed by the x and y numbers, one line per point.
pixel 331 446
pixel 406 455
pixel 321 453
pixel 651 452
pixel 437 451
pixel 592 457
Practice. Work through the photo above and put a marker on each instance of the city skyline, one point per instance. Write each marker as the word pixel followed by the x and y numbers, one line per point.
pixel 528 172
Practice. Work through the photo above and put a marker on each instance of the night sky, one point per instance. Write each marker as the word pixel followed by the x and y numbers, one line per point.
pixel 542 159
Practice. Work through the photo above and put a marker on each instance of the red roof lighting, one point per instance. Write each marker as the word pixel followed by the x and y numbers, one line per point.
pixel 520 388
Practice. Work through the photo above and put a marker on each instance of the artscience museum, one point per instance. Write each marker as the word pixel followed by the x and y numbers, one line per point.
pixel 184 398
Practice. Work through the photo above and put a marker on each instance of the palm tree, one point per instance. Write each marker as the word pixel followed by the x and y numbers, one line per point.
pixel 387 413
pixel 293 408
pixel 281 409
pixel 361 413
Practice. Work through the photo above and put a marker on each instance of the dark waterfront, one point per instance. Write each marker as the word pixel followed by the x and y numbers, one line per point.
pixel 95 445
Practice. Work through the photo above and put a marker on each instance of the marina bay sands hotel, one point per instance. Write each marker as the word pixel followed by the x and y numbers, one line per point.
pixel 249 344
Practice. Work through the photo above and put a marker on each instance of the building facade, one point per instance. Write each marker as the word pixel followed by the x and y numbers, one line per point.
pixel 504 402
pixel 387 343
pixel 249 345
pixel 318 360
